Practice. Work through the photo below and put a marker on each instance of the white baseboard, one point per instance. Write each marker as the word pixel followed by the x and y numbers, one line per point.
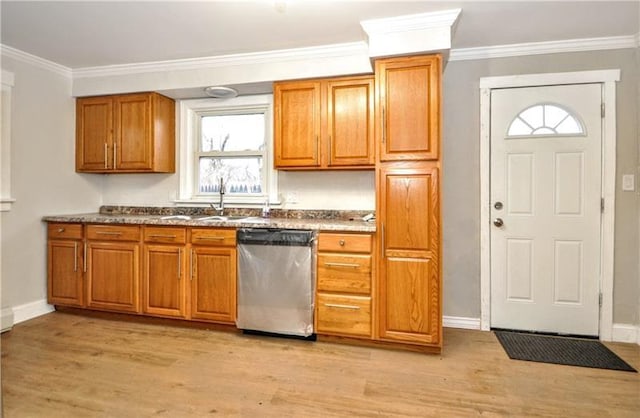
pixel 626 333
pixel 6 319
pixel 30 310
pixel 460 322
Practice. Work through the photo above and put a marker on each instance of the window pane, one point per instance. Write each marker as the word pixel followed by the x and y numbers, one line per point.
pixel 240 175
pixel 232 132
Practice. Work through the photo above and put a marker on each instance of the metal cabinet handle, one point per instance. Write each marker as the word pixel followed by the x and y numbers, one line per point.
pixel 382 241
pixel 106 151
pixel 210 238
pixel 60 230
pixel 179 263
pixel 75 257
pixel 191 264
pixel 115 154
pixel 84 261
pixel 335 305
pixel 163 236
pixel 384 126
pixel 353 265
pixel 108 233
pixel 498 222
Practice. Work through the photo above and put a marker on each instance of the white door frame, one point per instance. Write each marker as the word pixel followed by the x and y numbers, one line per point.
pixel 607 78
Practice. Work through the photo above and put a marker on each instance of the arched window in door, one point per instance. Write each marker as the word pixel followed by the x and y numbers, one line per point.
pixel 545 120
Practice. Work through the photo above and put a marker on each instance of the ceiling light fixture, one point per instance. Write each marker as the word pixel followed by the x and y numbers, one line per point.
pixel 220 92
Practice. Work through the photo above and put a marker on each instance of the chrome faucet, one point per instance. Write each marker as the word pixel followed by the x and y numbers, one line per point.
pixel 220 207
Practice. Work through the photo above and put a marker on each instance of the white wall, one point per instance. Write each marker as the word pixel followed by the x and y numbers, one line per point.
pixel 347 190
pixel 42 176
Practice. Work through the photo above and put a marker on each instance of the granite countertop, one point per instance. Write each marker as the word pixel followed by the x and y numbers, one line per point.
pixel 311 220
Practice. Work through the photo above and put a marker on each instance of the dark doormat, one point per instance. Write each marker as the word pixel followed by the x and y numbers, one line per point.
pixel 560 350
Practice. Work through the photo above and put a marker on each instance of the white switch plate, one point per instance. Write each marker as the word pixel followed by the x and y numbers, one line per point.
pixel 628 182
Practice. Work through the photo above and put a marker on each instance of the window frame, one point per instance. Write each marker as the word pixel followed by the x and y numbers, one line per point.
pixel 191 112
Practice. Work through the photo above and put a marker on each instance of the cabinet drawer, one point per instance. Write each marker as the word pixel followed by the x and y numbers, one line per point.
pixel 344 273
pixel 62 230
pixel 113 233
pixel 209 236
pixel 344 315
pixel 165 235
pixel 352 243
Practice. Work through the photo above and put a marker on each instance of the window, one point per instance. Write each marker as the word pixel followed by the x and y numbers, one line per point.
pixel 545 120
pixel 228 141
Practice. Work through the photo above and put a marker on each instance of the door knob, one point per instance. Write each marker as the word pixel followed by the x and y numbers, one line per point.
pixel 498 222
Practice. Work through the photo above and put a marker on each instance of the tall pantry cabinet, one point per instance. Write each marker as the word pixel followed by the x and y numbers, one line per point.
pixel 408 200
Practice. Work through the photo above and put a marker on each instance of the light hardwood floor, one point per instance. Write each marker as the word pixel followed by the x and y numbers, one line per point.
pixel 67 365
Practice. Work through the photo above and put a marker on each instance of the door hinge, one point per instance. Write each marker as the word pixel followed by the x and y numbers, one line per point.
pixel 602 204
pixel 602 110
pixel 600 300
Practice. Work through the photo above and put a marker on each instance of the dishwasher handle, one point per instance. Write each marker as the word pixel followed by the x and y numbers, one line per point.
pixel 280 237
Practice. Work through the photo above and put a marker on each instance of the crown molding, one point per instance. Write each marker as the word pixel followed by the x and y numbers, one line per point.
pixel 551 47
pixel 252 58
pixel 445 18
pixel 25 57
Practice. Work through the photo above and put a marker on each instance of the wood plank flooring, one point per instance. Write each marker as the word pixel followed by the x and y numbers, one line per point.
pixel 67 365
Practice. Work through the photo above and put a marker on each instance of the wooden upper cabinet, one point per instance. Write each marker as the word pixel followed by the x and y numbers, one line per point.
pixel 324 124
pixel 297 124
pixel 408 108
pixel 125 134
pixel 349 122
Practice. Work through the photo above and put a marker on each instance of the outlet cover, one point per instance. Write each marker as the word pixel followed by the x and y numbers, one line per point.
pixel 628 183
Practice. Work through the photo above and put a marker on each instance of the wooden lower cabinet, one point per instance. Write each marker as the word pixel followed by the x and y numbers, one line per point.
pixel 113 268
pixel 65 265
pixel 409 309
pixel 164 277
pixel 213 275
pixel 113 276
pixel 344 285
pixel 164 280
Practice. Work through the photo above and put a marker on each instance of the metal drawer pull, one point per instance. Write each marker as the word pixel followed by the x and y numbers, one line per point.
pixel 162 236
pixel 355 266
pixel 341 242
pixel 335 305
pixel 211 238
pixel 108 233
pixel 60 230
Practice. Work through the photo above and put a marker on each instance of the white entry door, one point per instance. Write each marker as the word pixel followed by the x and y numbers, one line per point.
pixel 545 208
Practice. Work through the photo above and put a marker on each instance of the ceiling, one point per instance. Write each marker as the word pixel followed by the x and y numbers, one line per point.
pixel 88 34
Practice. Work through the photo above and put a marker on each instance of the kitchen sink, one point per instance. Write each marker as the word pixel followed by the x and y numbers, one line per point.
pixel 225 218
pixel 176 217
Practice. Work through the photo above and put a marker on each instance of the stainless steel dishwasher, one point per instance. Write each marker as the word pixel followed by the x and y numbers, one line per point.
pixel 276 281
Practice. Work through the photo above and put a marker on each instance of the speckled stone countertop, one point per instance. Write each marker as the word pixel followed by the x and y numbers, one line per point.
pixel 331 220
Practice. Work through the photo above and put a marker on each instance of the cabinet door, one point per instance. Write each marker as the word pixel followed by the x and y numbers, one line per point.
pixel 213 284
pixel 94 130
pixel 113 276
pixel 65 285
pixel 297 124
pixel 164 280
pixel 408 108
pixel 409 287
pixel 133 141
pixel 350 139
